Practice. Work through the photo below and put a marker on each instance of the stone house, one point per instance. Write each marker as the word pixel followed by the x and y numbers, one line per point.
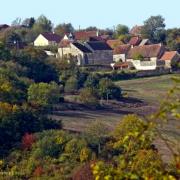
pixel 89 53
pixel 120 53
pixel 149 56
pixel 170 57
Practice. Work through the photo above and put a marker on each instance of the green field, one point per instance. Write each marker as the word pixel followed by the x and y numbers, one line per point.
pixel 144 94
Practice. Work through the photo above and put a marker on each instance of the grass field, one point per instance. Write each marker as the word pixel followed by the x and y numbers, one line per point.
pixel 143 97
pixel 143 94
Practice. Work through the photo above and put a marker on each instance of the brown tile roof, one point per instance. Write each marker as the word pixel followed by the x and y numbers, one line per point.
pixel 169 55
pixel 3 26
pixel 64 43
pixel 136 30
pixel 84 35
pixel 135 41
pixel 122 49
pixel 146 51
pixel 114 43
pixel 52 37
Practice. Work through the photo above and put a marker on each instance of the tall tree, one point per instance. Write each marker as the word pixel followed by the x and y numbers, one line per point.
pixel 173 39
pixel 28 22
pixel 42 25
pixel 61 29
pixel 122 29
pixel 154 29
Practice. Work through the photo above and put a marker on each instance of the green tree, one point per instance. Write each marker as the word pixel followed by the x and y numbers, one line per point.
pixel 42 24
pixel 28 22
pixel 154 29
pixel 122 29
pixel 108 90
pixel 71 85
pixel 173 39
pixel 43 94
pixel 64 28
pixel 89 97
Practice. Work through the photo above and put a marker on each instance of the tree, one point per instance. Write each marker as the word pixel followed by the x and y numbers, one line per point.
pixel 108 90
pixel 64 28
pixel 153 29
pixel 173 39
pixel 95 134
pixel 122 29
pixel 71 85
pixel 43 94
pixel 42 24
pixel 88 96
pixel 28 22
pixel 4 52
pixel 16 22
pixel 13 40
pixel 91 28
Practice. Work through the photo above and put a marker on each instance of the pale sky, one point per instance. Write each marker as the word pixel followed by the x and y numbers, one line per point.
pixel 100 13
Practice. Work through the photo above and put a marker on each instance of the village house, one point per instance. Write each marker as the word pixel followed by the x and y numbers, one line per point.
pixel 170 57
pixel 120 53
pixel 47 39
pixel 146 57
pixel 85 35
pixel 89 53
pixel 135 41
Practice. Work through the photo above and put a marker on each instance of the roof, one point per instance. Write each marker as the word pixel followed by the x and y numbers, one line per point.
pixel 144 42
pixel 122 49
pixel 98 45
pixel 52 37
pixel 84 35
pixel 3 26
pixel 135 41
pixel 169 55
pixel 146 51
pixel 81 47
pixel 114 43
pixel 136 30
pixel 64 43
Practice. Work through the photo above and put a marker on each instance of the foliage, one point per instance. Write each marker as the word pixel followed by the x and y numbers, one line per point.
pixel 138 57
pixel 71 85
pixel 43 94
pixel 153 29
pixel 122 29
pixel 173 39
pixel 108 90
pixel 88 96
pixel 42 24
pixel 63 29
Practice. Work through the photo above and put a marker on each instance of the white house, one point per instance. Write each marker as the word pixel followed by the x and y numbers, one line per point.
pixel 47 39
pixel 146 57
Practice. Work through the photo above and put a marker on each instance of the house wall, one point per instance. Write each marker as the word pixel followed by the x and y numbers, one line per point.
pixel 144 65
pixel 119 57
pixel 102 57
pixel 82 58
pixel 41 41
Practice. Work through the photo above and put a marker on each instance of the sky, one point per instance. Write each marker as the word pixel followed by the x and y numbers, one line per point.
pixel 100 13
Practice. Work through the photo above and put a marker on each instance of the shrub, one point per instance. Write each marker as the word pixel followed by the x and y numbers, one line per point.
pixel 71 85
pixel 88 96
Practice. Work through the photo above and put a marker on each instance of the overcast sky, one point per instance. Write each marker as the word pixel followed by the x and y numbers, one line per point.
pixel 100 13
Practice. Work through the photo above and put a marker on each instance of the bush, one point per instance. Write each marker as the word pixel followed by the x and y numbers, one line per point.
pixel 108 90
pixel 88 96
pixel 71 85
pixel 43 94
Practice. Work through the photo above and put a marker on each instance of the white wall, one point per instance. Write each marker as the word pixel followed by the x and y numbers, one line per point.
pixel 41 41
pixel 144 65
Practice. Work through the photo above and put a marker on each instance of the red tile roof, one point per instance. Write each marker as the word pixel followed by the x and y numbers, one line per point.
pixel 122 49
pixel 135 41
pixel 52 37
pixel 169 55
pixel 114 43
pixel 147 51
pixel 84 35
